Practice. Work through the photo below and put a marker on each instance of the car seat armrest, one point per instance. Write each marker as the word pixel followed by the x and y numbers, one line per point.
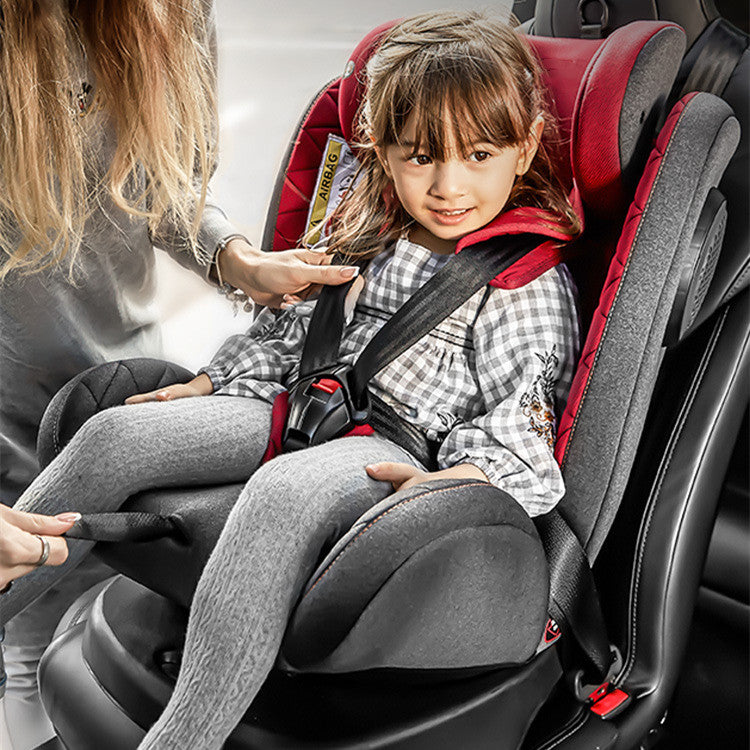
pixel 97 389
pixel 423 580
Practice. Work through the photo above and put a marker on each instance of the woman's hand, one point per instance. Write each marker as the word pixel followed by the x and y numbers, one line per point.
pixel 20 547
pixel 403 476
pixel 198 386
pixel 268 277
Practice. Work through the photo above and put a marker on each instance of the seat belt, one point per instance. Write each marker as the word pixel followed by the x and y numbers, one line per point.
pixel 575 606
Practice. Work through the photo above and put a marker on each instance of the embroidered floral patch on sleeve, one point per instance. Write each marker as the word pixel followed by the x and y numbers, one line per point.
pixel 538 403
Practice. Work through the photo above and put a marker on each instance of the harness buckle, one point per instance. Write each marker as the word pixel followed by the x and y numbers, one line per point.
pixel 321 408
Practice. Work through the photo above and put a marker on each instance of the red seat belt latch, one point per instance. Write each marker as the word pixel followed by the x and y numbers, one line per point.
pixel 607 700
pixel 327 385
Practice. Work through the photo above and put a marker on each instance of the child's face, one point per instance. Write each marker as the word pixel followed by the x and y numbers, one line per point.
pixel 452 198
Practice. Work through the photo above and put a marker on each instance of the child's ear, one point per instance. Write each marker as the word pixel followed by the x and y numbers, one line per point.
pixel 383 159
pixel 530 145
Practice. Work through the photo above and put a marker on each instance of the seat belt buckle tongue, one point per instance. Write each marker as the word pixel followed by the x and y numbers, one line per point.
pixel 608 701
pixel 605 700
pixel 321 408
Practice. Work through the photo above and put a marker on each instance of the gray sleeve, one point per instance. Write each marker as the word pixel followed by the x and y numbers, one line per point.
pixel 525 342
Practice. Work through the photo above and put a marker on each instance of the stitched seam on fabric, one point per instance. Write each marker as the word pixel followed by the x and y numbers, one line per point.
pixel 654 495
pixel 132 377
pixel 597 353
pixel 379 518
pixel 578 722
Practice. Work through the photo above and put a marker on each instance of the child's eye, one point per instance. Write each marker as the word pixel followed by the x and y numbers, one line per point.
pixel 420 159
pixel 480 156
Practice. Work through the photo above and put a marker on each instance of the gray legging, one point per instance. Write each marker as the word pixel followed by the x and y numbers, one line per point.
pixel 285 513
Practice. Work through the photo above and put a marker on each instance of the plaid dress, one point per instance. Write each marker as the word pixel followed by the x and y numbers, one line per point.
pixel 487 382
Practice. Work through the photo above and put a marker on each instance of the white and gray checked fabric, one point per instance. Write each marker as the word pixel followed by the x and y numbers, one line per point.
pixel 487 381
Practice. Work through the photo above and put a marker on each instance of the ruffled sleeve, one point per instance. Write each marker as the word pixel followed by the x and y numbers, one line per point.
pixel 526 342
pixel 257 363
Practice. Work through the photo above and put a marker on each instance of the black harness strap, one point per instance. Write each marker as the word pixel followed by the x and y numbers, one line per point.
pixel 574 601
pixel 321 348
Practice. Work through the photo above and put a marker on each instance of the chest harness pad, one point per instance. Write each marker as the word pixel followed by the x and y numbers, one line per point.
pixel 330 400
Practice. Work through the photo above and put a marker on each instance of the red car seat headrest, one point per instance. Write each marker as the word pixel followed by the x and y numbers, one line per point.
pixel 605 94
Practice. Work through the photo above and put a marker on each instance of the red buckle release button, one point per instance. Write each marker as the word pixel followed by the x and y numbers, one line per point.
pixel 328 385
pixel 611 704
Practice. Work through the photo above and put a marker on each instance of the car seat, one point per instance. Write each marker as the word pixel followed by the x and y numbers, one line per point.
pixel 654 222
pixel 708 660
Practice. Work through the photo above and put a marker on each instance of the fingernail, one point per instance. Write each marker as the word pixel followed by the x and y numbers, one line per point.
pixel 68 517
pixel 350 272
pixel 373 467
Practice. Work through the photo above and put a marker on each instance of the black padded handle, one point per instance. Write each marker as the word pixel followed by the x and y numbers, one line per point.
pixel 97 389
pixel 126 527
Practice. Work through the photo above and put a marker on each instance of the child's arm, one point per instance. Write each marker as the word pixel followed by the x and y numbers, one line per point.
pixel 250 364
pixel 198 386
pixel 525 343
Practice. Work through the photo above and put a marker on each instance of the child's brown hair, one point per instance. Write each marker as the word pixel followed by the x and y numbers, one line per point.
pixel 479 71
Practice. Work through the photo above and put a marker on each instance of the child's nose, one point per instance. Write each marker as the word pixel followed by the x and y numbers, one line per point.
pixel 449 180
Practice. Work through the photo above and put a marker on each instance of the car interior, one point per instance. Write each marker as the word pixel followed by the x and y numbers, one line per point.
pixel 395 646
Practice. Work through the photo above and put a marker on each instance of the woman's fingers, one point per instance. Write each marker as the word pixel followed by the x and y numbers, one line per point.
pixel 34 523
pixel 397 474
pixel 329 274
pixel 21 549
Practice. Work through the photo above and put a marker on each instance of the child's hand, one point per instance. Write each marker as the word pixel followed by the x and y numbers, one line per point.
pixel 199 386
pixel 403 476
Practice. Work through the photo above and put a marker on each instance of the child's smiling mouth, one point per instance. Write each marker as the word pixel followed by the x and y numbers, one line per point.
pixel 450 215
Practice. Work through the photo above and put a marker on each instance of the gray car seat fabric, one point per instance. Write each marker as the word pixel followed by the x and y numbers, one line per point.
pixel 381 596
pixel 624 372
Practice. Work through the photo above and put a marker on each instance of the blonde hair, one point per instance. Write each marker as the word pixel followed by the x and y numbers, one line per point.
pixel 477 69
pixel 154 79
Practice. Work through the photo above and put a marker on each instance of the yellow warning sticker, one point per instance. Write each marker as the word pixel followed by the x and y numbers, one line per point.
pixel 335 176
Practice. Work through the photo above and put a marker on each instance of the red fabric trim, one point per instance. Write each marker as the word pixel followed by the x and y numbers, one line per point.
pixel 612 284
pixel 533 221
pixel 595 138
pixel 563 63
pixel 360 429
pixel 278 420
pixel 302 168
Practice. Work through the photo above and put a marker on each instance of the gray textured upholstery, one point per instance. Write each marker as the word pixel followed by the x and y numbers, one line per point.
pixel 612 414
pixel 452 575
pixel 648 86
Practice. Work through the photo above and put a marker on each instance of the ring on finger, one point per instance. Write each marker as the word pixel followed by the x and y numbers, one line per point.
pixel 45 551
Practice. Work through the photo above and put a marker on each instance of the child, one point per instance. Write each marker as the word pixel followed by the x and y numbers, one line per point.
pixel 451 137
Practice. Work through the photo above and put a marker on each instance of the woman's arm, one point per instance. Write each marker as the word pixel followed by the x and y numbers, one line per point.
pixel 268 277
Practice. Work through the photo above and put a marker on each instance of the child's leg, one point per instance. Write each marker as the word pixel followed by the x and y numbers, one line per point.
pixel 123 450
pixel 265 554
